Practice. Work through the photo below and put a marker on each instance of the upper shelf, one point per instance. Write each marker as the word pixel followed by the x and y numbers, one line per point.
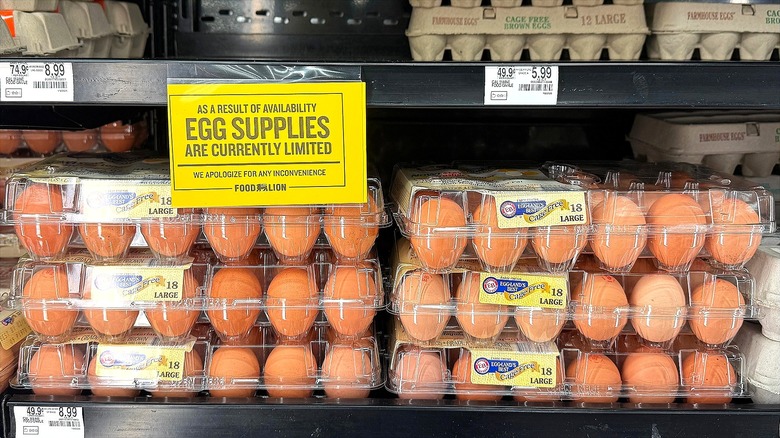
pixel 603 84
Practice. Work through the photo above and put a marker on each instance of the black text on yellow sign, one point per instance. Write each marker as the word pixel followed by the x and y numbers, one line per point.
pixel 267 144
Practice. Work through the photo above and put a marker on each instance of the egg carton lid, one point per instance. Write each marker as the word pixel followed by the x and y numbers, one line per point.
pixel 43 33
pixel 30 5
pixel 8 44
pixel 125 18
pixel 85 20
pixel 709 132
pixel 681 17
pixel 530 20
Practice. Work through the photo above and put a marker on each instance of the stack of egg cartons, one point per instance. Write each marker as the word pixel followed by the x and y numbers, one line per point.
pixel 545 28
pixel 474 316
pixel 289 316
pixel 36 28
pixel 662 319
pixel 297 287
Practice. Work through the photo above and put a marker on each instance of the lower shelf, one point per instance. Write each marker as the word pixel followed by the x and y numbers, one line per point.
pixel 391 417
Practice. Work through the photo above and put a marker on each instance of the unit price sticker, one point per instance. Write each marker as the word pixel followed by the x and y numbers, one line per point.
pixel 36 82
pixel 38 421
pixel 521 85
pixel 267 144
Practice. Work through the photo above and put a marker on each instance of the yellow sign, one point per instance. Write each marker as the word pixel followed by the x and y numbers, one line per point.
pixel 512 368
pixel 140 362
pixel 548 291
pixel 267 144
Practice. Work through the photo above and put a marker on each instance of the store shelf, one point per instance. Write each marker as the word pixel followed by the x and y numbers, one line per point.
pixel 398 418
pixel 606 84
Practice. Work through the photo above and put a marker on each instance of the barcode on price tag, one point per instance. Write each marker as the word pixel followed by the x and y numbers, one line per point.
pixel 39 421
pixel 521 85
pixel 36 82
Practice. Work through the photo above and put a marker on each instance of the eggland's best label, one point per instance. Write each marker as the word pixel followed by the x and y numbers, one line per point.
pixel 13 328
pixel 100 199
pixel 136 283
pixel 513 368
pixel 547 291
pixel 141 362
pixel 541 209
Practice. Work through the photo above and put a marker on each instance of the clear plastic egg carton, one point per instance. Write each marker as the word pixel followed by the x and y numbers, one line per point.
pixel 320 364
pixel 516 3
pixel 58 296
pixel 543 373
pixel 442 209
pixel 41 34
pixel 141 363
pixel 676 212
pixel 715 29
pixel 765 266
pixel 113 137
pixel 292 297
pixel 721 140
pixel 88 23
pixel 585 31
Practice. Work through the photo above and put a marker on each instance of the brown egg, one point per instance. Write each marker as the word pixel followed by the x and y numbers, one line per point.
pixel 660 301
pixel 41 237
pixel 350 297
pixel 232 232
pixel 292 301
pixel 598 315
pixel 540 325
pixel 10 140
pixel 352 229
pixel 228 285
pixel 53 367
pixel 465 390
pixel 543 394
pixel 558 245
pixel 347 371
pixel 734 242
pixel 80 141
pixel 650 378
pixel 435 248
pixel 419 288
pixel 174 320
pixel 117 137
pixel 49 321
pixel 110 324
pixel 708 378
pixel 596 379
pixel 620 234
pixel 482 321
pixel 171 238
pixel 675 248
pixel 42 141
pixel 107 241
pixel 291 231
pixel 193 368
pixel 108 386
pixel 495 247
pixel 716 311
pixel 419 375
pixel 290 371
pixel 236 366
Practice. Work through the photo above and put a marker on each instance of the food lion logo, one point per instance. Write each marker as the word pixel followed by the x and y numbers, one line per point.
pixel 129 284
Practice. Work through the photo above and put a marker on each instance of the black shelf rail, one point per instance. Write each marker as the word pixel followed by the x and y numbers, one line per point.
pixel 754 85
pixel 389 417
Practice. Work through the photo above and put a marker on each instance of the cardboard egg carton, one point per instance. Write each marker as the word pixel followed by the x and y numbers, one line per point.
pixel 8 44
pixel 762 369
pixel 42 33
pixel 130 29
pixel 716 29
pixel 719 140
pixel 544 31
pixel 30 5
pixel 89 24
pixel 765 266
pixel 515 3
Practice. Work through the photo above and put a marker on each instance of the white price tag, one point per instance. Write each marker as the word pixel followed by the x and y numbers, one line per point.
pixel 36 82
pixel 521 85
pixel 38 421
